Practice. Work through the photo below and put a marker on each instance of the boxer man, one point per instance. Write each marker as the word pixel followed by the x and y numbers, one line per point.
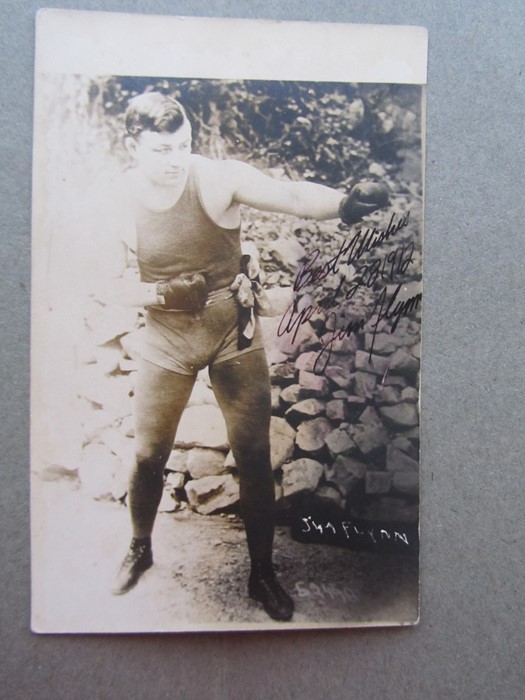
pixel 186 211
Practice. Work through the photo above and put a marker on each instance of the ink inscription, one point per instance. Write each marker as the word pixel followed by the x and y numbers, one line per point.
pixel 377 274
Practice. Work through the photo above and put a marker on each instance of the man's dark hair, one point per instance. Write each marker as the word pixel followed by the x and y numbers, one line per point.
pixel 153 111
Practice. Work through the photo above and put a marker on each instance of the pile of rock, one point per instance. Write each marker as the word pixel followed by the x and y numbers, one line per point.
pixel 356 442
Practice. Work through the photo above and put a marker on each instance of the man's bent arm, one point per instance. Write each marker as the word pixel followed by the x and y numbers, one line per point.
pixel 116 284
pixel 125 292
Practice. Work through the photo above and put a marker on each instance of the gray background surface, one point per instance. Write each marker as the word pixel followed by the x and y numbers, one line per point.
pixel 470 642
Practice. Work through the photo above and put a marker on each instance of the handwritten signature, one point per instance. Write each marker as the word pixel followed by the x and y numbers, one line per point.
pixel 334 328
pixel 361 243
pixel 384 308
pixel 374 534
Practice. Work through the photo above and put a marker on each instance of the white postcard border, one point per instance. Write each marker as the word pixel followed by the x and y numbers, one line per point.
pixel 127 44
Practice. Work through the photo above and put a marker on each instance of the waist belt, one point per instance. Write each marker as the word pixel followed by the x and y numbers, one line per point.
pixel 218 295
pixel 213 298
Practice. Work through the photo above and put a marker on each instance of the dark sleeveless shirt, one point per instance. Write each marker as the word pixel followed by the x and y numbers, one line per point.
pixel 185 240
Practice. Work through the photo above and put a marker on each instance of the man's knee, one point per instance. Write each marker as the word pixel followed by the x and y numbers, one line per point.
pixel 151 460
pixel 253 463
pixel 251 445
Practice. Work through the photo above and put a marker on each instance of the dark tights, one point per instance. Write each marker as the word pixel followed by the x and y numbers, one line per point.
pixel 242 388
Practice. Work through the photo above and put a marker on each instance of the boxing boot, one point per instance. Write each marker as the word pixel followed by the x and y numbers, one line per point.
pixel 138 560
pixel 264 587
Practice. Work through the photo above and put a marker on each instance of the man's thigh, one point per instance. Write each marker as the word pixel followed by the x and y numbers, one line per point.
pixel 160 398
pixel 242 388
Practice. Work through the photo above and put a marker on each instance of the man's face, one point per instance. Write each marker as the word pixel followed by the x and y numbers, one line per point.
pixel 163 158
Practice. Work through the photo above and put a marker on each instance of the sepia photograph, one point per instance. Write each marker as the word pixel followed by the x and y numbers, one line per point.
pixel 226 342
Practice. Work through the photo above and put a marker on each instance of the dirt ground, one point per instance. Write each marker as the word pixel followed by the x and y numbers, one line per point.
pixel 200 573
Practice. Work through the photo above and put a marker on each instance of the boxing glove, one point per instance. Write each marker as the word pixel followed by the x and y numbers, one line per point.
pixel 363 199
pixel 183 293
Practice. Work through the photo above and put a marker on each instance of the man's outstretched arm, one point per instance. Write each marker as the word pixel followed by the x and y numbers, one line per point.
pixel 304 199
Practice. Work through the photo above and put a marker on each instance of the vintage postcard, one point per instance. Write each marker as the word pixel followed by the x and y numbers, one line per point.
pixel 226 323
